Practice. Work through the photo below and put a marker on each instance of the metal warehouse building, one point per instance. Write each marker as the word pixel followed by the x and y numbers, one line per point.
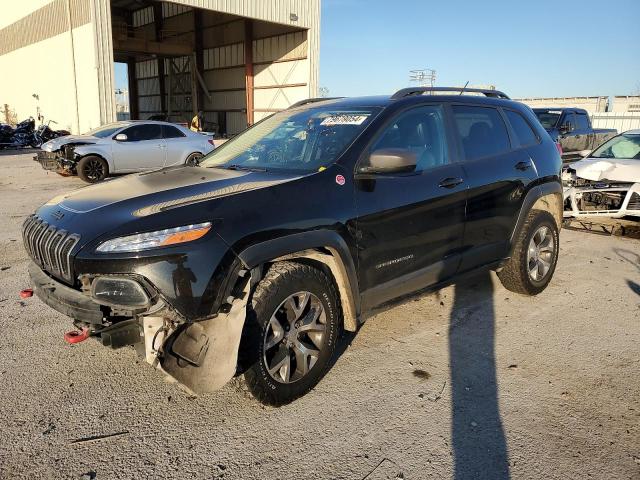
pixel 236 60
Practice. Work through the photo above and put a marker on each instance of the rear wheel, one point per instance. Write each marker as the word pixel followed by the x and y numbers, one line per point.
pixel 531 267
pixel 193 160
pixel 292 331
pixel 92 169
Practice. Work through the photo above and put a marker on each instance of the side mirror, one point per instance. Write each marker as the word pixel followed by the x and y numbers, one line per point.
pixel 121 137
pixel 390 160
pixel 566 128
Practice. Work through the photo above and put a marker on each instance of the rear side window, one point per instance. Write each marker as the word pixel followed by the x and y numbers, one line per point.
pixel 482 131
pixel 171 132
pixel 524 133
pixel 582 122
pixel 137 133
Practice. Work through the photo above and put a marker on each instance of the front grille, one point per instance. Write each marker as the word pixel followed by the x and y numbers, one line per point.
pixel 49 247
pixel 634 202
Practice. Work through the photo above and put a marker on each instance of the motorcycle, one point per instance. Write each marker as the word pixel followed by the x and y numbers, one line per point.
pixel 26 135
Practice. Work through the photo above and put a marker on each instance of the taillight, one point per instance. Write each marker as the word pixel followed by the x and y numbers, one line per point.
pixel 559 147
pixel 211 142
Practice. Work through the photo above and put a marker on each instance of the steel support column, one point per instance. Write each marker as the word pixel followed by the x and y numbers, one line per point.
pixel 248 68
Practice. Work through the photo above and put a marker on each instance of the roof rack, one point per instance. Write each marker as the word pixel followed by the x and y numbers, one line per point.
pixel 408 92
pixel 312 100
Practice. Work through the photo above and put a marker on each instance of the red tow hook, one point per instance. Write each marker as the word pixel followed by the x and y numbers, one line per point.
pixel 74 336
pixel 26 293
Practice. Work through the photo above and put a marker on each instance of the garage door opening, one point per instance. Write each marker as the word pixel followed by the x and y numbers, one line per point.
pixel 121 75
pixel 181 60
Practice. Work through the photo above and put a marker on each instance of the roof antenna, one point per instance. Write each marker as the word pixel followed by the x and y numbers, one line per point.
pixel 464 88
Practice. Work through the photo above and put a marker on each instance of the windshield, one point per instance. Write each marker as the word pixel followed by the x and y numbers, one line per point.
pixel 106 130
pixel 622 146
pixel 547 118
pixel 299 140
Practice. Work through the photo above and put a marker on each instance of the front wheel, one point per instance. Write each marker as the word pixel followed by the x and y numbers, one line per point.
pixel 92 169
pixel 292 331
pixel 531 267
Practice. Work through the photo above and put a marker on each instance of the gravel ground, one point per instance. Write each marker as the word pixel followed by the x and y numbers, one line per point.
pixel 470 382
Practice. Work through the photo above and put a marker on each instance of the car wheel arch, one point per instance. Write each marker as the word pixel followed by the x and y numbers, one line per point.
pixel 323 247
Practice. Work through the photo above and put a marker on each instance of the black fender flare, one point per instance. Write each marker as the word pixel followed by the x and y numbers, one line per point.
pixel 331 240
pixel 539 197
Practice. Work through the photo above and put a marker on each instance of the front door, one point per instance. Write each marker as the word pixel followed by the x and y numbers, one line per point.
pixel 143 149
pixel 410 225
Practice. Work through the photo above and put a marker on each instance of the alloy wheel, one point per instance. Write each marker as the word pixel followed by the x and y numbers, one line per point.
pixel 294 337
pixel 540 253
pixel 94 169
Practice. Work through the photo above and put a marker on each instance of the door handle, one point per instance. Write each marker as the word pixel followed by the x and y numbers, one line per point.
pixel 522 166
pixel 450 182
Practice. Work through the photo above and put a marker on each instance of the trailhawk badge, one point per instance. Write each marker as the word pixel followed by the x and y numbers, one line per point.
pixel 340 180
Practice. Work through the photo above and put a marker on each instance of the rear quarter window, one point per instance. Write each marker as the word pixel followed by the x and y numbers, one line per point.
pixel 525 136
pixel 482 131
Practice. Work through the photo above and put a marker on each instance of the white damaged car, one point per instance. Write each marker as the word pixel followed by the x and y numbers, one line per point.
pixel 607 181
pixel 124 147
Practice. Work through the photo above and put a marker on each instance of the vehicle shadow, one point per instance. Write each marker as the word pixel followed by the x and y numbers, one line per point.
pixel 478 439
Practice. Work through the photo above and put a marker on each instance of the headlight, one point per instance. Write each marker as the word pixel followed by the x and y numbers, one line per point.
pixel 160 238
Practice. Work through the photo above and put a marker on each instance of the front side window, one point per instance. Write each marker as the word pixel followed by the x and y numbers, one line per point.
pixel 582 122
pixel 569 120
pixel 524 133
pixel 300 140
pixel 482 131
pixel 420 130
pixel 138 133
pixel 622 146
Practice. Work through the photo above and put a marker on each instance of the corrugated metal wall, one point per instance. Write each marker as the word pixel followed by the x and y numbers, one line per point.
pixel 281 67
pixel 622 121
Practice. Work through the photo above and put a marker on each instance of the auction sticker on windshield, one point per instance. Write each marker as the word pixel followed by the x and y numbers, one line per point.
pixel 344 119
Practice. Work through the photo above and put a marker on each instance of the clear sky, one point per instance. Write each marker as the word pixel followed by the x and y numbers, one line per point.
pixel 524 47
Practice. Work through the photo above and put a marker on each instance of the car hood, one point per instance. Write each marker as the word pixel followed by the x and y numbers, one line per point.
pixel 56 143
pixel 616 170
pixel 145 194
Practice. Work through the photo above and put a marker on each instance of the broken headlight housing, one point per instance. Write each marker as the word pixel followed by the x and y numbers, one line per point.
pixel 119 291
pixel 159 238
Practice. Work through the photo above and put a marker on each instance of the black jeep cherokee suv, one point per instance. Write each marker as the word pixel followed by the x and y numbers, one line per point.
pixel 252 262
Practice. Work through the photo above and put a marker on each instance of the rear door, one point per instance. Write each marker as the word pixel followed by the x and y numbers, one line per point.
pixel 410 225
pixel 498 171
pixel 143 149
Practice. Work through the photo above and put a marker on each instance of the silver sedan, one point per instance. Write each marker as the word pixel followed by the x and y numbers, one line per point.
pixel 124 147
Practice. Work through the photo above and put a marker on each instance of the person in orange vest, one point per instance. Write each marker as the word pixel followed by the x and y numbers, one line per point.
pixel 197 122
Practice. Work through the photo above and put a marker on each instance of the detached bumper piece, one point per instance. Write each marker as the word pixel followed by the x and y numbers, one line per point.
pixel 64 299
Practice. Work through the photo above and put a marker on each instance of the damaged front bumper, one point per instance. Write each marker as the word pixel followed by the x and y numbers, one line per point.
pixel 602 199
pixel 57 161
pixel 202 356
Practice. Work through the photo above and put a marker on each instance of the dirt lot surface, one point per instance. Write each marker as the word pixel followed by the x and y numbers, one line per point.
pixel 470 382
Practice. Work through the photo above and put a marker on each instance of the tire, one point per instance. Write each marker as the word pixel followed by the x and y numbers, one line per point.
pixel 287 287
pixel 528 272
pixel 193 160
pixel 92 169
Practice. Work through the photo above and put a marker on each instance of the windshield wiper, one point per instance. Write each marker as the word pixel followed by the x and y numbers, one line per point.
pixel 245 168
